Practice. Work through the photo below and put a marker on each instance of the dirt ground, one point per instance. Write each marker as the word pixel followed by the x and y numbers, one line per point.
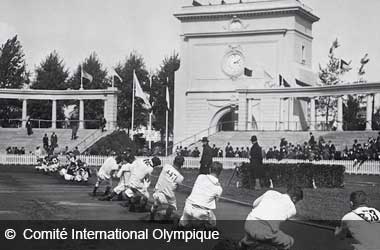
pixel 29 195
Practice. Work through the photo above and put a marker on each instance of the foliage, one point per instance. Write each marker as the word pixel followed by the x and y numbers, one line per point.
pixel 165 77
pixel 134 62
pixel 351 111
pixel 93 66
pixel 13 74
pixel 50 74
pixel 118 141
pixel 330 75
pixel 301 174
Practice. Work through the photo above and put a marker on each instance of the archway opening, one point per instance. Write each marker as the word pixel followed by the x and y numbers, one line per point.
pixel 228 121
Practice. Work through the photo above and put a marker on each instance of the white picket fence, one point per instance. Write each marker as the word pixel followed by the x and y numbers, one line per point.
pixel 367 168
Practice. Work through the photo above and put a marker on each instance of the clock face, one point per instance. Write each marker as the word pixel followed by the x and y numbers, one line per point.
pixel 233 64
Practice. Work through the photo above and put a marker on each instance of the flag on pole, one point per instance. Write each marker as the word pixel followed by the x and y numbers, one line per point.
pixel 283 82
pixel 115 74
pixel 247 72
pixel 86 75
pixel 167 98
pixel 139 92
pixel 343 65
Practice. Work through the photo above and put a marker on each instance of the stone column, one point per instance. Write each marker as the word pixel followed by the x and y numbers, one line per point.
pixel 340 114
pixel 81 114
pixel 312 114
pixel 24 113
pixel 243 110
pixel 281 119
pixel 54 114
pixel 369 112
pixel 110 109
pixel 105 113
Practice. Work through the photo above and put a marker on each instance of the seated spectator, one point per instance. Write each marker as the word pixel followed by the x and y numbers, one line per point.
pixel 196 152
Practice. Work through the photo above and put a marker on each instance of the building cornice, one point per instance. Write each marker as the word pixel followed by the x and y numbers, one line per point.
pixel 335 90
pixel 70 94
pixel 209 13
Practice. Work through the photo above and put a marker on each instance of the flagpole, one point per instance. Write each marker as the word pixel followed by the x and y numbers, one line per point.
pixel 133 103
pixel 81 77
pixel 166 132
pixel 150 116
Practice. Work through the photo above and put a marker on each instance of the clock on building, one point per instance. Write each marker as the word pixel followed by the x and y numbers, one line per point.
pixel 233 63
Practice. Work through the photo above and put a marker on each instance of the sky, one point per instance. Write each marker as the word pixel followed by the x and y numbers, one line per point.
pixel 114 28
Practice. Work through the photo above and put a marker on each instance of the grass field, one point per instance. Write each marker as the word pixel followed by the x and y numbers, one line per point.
pixel 324 204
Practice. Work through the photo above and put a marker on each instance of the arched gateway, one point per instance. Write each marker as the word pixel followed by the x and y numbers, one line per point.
pixel 109 96
pixel 234 58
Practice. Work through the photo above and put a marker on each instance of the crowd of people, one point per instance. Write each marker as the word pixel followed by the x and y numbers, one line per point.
pixel 15 150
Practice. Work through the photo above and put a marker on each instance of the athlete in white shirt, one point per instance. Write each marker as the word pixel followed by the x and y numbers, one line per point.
pixel 362 223
pixel 203 197
pixel 167 183
pixel 105 173
pixel 137 190
pixel 263 222
pixel 123 174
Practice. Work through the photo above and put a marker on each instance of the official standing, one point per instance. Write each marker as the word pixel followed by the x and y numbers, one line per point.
pixel 206 158
pixel 256 161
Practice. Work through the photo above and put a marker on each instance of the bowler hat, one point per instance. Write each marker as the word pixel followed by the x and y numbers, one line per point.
pixel 253 138
pixel 204 139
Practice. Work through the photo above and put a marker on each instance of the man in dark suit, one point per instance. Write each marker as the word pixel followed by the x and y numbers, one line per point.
pixel 206 158
pixel 256 161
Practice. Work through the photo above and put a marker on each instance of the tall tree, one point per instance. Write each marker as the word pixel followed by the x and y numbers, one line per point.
pixel 13 74
pixel 134 62
pixel 165 77
pixel 331 75
pixel 50 74
pixel 93 66
pixel 351 114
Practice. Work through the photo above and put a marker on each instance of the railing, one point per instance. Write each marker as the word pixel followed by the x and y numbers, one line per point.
pixel 367 168
pixel 41 123
pixel 81 145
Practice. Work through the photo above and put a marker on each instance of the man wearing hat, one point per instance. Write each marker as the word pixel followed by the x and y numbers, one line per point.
pixel 206 158
pixel 256 161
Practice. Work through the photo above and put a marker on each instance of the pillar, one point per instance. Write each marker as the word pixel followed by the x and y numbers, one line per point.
pixel 369 112
pixel 281 119
pixel 312 114
pixel 110 109
pixel 54 114
pixel 81 114
pixel 243 112
pixel 24 113
pixel 105 113
pixel 340 114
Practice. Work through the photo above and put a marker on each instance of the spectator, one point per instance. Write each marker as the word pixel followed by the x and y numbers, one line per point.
pixel 76 151
pixel 54 140
pixel 103 123
pixel 29 127
pixel 206 158
pixel 312 141
pixel 45 142
pixel 229 150
pixel 74 123
pixel 256 161
pixel 196 152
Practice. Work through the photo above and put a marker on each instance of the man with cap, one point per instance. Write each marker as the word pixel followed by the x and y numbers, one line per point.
pixel 137 188
pixel 123 174
pixel 206 158
pixel 256 162
pixel 106 172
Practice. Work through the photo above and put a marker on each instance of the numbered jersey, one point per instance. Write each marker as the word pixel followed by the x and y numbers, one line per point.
pixel 141 169
pixel 168 180
pixel 364 225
